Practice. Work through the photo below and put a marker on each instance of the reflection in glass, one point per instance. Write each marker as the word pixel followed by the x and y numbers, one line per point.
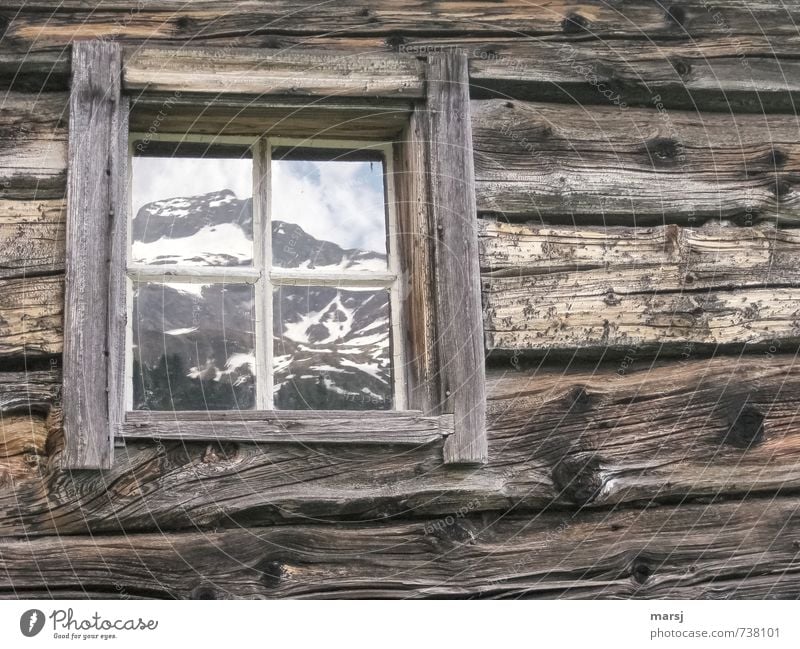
pixel 193 346
pixel 192 205
pixel 328 209
pixel 331 349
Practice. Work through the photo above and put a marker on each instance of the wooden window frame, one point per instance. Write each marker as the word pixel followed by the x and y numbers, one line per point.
pixel 433 179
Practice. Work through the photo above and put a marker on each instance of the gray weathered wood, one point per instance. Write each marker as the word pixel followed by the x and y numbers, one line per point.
pixel 95 104
pixel 458 295
pixel 724 549
pixel 31 237
pixel 118 279
pixel 319 427
pixel 31 317
pixel 618 433
pixel 417 266
pixel 639 166
pixel 253 72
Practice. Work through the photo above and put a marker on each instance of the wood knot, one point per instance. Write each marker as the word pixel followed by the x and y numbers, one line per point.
pixel 641 570
pixel 578 479
pixel 574 23
pixel 271 572
pixel 204 590
pixel 746 428
pixel 780 188
pixel 663 150
pixel 682 68
pixel 182 23
pixel 676 15
pixel 578 399
pixel 610 299
pixel 776 158
pixel 395 41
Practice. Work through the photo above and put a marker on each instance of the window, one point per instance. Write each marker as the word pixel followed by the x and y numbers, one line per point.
pixel 247 265
pixel 212 271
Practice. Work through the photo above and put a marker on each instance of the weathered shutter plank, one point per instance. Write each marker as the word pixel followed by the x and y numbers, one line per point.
pixel 460 330
pixel 94 115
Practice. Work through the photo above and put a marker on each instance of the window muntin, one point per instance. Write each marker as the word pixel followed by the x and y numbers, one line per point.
pixel 226 258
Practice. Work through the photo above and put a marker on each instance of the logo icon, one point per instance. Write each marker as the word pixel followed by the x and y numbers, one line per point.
pixel 31 622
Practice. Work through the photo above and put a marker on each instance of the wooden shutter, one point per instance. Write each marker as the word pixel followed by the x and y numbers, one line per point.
pixel 459 316
pixel 96 180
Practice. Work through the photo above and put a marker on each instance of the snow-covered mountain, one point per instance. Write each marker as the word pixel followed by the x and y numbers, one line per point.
pixel 194 344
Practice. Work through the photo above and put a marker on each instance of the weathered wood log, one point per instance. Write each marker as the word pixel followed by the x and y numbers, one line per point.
pixel 30 392
pixel 550 288
pixel 729 549
pixel 633 166
pixel 33 145
pixel 31 237
pixel 633 432
pixel 248 72
pixel 31 316
pixel 237 20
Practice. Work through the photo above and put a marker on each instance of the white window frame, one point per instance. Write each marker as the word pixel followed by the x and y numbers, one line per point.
pixel 261 275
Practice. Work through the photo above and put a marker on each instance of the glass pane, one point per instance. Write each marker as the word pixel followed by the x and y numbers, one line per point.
pixel 193 346
pixel 328 209
pixel 331 349
pixel 192 205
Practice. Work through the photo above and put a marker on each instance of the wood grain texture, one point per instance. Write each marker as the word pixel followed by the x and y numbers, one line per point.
pixel 33 145
pixel 31 317
pixel 248 72
pixel 458 292
pixel 239 22
pixel 93 155
pixel 615 434
pixel 417 268
pixel 28 392
pixel 186 113
pixel 635 166
pixel 321 427
pixel 31 237
pixel 722 550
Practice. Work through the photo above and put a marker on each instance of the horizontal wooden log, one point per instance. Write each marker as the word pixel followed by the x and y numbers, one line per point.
pixel 235 21
pixel 34 71
pixel 31 316
pixel 634 166
pixel 192 113
pixel 247 72
pixel 320 427
pixel 733 549
pixel 33 145
pixel 31 237
pixel 30 392
pixel 550 288
pixel 627 432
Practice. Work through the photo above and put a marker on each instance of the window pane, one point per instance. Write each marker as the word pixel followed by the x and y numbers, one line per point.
pixel 328 209
pixel 331 349
pixel 192 205
pixel 193 346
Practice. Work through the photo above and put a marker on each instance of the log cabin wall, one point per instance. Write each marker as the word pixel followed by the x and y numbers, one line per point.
pixel 638 188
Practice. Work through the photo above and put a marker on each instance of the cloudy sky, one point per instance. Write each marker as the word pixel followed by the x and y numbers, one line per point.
pixel 339 201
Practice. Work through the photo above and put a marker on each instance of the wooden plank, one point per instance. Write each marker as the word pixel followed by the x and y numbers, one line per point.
pixel 669 258
pixel 239 22
pixel 321 427
pixel 549 288
pixel 224 115
pixel 417 271
pixel 31 237
pixel 118 278
pixel 31 317
pixel 572 437
pixel 34 71
pixel 33 145
pixel 93 149
pixel 648 166
pixel 458 293
pixel 260 73
pixel 723 550
pixel 30 392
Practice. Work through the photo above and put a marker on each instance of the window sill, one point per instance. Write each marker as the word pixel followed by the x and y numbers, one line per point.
pixel 407 427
